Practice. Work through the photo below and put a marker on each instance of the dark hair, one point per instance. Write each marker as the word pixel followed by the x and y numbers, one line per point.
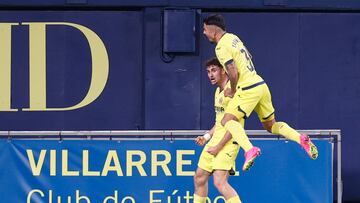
pixel 217 20
pixel 213 62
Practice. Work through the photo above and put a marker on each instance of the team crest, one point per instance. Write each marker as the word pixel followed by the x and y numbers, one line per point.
pixel 221 100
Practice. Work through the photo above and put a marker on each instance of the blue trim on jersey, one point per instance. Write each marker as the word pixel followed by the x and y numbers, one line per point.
pixel 242 111
pixel 254 85
pixel 228 62
pixel 268 116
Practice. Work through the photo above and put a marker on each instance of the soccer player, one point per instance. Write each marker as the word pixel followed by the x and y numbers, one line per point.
pixel 248 92
pixel 222 164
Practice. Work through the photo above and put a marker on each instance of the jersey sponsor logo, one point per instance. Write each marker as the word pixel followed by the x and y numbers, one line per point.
pixel 219 109
pixel 221 100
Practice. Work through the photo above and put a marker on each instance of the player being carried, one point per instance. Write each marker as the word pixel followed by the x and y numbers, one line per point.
pixel 248 92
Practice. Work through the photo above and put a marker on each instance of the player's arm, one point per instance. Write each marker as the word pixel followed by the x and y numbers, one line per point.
pixel 216 149
pixel 227 137
pixel 201 140
pixel 233 75
pixel 224 55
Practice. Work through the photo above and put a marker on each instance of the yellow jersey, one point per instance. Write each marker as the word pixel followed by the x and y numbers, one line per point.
pixel 231 48
pixel 220 105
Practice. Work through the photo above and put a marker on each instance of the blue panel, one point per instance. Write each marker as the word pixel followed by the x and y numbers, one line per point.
pixel 83 3
pixel 330 61
pixel 275 2
pixel 76 1
pixel 291 177
pixel 68 63
pixel 172 98
pixel 232 4
pixel 179 21
pixel 31 2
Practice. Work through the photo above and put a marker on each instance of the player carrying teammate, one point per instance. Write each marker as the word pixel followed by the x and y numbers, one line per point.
pixel 221 164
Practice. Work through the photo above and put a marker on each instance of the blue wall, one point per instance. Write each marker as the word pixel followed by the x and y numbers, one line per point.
pixel 224 4
pixel 311 62
pixel 68 71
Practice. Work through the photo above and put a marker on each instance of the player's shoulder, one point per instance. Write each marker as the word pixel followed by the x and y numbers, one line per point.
pixel 227 41
pixel 217 91
pixel 229 37
pixel 219 47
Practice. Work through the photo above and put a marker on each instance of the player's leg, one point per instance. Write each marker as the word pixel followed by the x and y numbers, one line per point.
pixel 202 174
pixel 238 133
pixel 265 111
pixel 214 150
pixel 223 163
pixel 201 179
pixel 240 107
pixel 236 129
pixel 222 185
pixel 282 128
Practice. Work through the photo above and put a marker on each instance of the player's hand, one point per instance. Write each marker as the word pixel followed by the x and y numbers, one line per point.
pixel 200 140
pixel 213 150
pixel 229 93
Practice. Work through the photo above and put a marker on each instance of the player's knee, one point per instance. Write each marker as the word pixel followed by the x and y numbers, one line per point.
pixel 226 118
pixel 219 183
pixel 267 128
pixel 267 125
pixel 199 179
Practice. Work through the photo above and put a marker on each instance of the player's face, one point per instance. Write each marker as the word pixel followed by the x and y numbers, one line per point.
pixel 215 74
pixel 209 32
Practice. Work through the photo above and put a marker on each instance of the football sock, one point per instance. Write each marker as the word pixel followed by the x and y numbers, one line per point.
pixel 238 133
pixel 235 199
pixel 199 199
pixel 281 128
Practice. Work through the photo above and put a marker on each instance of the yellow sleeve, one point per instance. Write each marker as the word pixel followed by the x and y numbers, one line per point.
pixel 224 55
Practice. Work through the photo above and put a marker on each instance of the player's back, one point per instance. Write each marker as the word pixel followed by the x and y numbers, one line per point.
pixel 230 47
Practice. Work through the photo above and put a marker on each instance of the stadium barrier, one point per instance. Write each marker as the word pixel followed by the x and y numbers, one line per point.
pixel 157 166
